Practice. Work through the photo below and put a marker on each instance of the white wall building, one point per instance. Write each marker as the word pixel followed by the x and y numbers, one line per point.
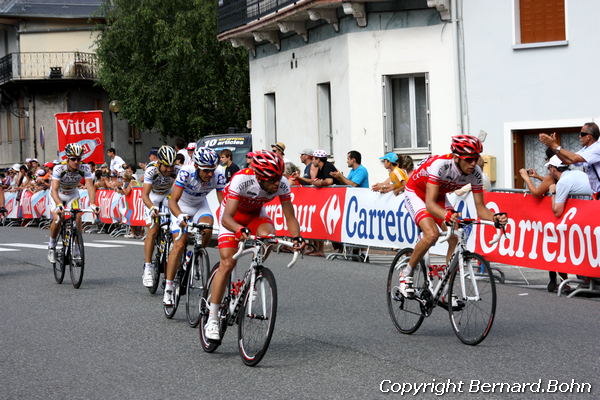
pixel 369 76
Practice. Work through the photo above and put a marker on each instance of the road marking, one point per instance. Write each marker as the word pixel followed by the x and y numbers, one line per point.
pixel 27 245
pixel 2 249
pixel 523 294
pixel 100 245
pixel 121 242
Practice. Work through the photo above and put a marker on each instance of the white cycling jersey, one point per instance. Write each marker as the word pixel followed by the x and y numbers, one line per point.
pixel 161 184
pixel 69 180
pixel 194 189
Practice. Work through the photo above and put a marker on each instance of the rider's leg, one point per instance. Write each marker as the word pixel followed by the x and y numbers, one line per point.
pixel 149 243
pixel 218 286
pixel 430 236
pixel 207 234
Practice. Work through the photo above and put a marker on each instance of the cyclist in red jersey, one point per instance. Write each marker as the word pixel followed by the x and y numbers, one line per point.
pixel 426 198
pixel 242 214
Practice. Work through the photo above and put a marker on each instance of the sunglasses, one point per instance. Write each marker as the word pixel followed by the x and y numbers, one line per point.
pixel 74 158
pixel 471 160
pixel 207 170
pixel 584 134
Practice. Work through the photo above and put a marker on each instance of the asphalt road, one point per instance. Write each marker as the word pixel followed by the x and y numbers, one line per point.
pixel 333 338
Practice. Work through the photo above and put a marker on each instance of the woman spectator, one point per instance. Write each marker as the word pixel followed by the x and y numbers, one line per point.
pixel 290 169
pixel 397 178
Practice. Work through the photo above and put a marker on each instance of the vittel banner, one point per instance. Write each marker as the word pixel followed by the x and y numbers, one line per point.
pixel 84 128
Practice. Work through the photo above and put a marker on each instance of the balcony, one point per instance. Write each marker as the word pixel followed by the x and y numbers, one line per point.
pixel 234 13
pixel 48 65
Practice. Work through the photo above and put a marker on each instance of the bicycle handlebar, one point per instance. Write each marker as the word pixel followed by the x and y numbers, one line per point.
pixel 470 221
pixel 259 241
pixel 75 211
pixel 201 226
pixel 160 214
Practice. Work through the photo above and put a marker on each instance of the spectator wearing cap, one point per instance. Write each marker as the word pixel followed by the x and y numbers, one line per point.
pixel 249 156
pixel 397 178
pixel 567 182
pixel 13 175
pixel 310 171
pixel 190 148
pixel 358 175
pixel 587 157
pixel 226 158
pixel 546 181
pixel 279 148
pixel 325 168
pixel 116 162
pixel 42 179
pixel 152 157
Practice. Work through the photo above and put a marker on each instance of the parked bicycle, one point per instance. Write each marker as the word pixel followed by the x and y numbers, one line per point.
pixel 250 302
pixel 191 275
pixel 469 297
pixel 69 248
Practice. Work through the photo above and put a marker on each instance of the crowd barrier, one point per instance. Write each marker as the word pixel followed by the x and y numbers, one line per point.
pixel 536 238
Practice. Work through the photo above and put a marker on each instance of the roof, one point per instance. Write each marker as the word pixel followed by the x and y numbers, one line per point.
pixel 50 8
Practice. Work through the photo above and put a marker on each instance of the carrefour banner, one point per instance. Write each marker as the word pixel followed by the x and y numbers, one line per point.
pixel 538 239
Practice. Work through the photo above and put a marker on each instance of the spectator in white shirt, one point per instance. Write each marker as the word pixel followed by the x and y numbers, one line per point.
pixel 116 162
pixel 190 148
pixel 180 148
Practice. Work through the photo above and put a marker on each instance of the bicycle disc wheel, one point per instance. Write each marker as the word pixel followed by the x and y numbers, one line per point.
pixel 473 296
pixel 405 312
pixel 59 266
pixel 197 276
pixel 77 259
pixel 256 321
pixel 210 345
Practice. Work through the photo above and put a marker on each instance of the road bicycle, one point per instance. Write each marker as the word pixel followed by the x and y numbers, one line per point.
pixel 69 248
pixel 191 275
pixel 162 246
pixel 251 302
pixel 466 288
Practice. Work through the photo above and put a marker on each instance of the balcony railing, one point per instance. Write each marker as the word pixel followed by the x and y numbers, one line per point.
pixel 234 13
pixel 48 65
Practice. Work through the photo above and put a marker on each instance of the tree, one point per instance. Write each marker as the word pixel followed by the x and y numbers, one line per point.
pixel 163 62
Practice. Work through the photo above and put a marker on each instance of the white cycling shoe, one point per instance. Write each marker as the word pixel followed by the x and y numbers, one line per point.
pixel 52 255
pixel 168 299
pixel 211 331
pixel 406 286
pixel 148 277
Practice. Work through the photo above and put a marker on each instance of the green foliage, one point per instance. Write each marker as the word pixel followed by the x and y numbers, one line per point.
pixel 162 61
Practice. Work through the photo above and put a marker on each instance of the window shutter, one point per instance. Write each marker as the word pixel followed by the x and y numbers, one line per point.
pixel 542 21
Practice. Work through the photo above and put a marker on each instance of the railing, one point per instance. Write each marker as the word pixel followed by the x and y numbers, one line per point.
pixel 48 65
pixel 234 13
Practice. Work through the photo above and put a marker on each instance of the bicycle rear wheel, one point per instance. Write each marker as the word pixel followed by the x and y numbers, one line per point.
pixel 159 260
pixel 197 277
pixel 256 321
pixel 405 312
pixel 473 297
pixel 59 266
pixel 210 345
pixel 77 265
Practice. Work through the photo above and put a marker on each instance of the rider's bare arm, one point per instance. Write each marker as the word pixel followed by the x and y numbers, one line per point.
pixel 54 191
pixel 431 199
pixel 146 189
pixel 89 185
pixel 230 209
pixel 175 196
pixel 290 218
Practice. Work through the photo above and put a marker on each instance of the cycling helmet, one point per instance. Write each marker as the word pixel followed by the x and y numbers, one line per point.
pixel 206 158
pixel 166 155
pixel 466 146
pixel 267 165
pixel 73 150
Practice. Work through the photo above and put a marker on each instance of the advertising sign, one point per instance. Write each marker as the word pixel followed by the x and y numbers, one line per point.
pixel 84 128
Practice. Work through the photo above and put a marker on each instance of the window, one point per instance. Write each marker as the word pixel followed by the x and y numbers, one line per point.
pixel 324 117
pixel 406 113
pixel 541 21
pixel 270 119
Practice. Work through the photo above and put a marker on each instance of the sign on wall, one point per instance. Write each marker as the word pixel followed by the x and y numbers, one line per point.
pixel 84 128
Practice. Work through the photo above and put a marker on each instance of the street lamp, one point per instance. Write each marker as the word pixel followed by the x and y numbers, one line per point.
pixel 114 107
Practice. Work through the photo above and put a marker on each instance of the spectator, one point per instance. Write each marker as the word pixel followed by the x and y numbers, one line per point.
pixel 588 156
pixel 567 182
pixel 325 168
pixel 290 171
pixel 358 175
pixel 248 159
pixel 279 148
pixel 407 164
pixel 310 171
pixel 12 176
pixel 42 180
pixel 152 157
pixel 546 181
pixel 116 162
pixel 23 179
pixel 180 148
pixel 397 179
pixel 189 160
pixel 231 168
pixel 179 159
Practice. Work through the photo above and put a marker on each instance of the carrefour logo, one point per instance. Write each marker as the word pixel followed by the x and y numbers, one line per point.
pixel 330 213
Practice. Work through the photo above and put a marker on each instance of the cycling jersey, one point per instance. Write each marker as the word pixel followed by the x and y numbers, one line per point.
pixel 161 184
pixel 194 189
pixel 69 180
pixel 443 172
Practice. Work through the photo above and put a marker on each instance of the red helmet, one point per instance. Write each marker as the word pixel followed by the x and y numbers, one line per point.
pixel 466 146
pixel 267 165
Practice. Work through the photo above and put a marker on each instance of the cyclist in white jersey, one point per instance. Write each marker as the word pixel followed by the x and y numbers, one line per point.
pixel 159 177
pixel 64 189
pixel 188 203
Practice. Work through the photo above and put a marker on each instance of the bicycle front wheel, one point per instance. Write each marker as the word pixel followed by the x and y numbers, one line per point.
pixel 197 277
pixel 77 259
pixel 405 312
pixel 59 266
pixel 472 292
pixel 159 260
pixel 257 319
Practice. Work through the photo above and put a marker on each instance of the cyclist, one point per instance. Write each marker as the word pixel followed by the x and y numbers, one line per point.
pixel 426 198
pixel 188 202
pixel 242 214
pixel 64 190
pixel 159 177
